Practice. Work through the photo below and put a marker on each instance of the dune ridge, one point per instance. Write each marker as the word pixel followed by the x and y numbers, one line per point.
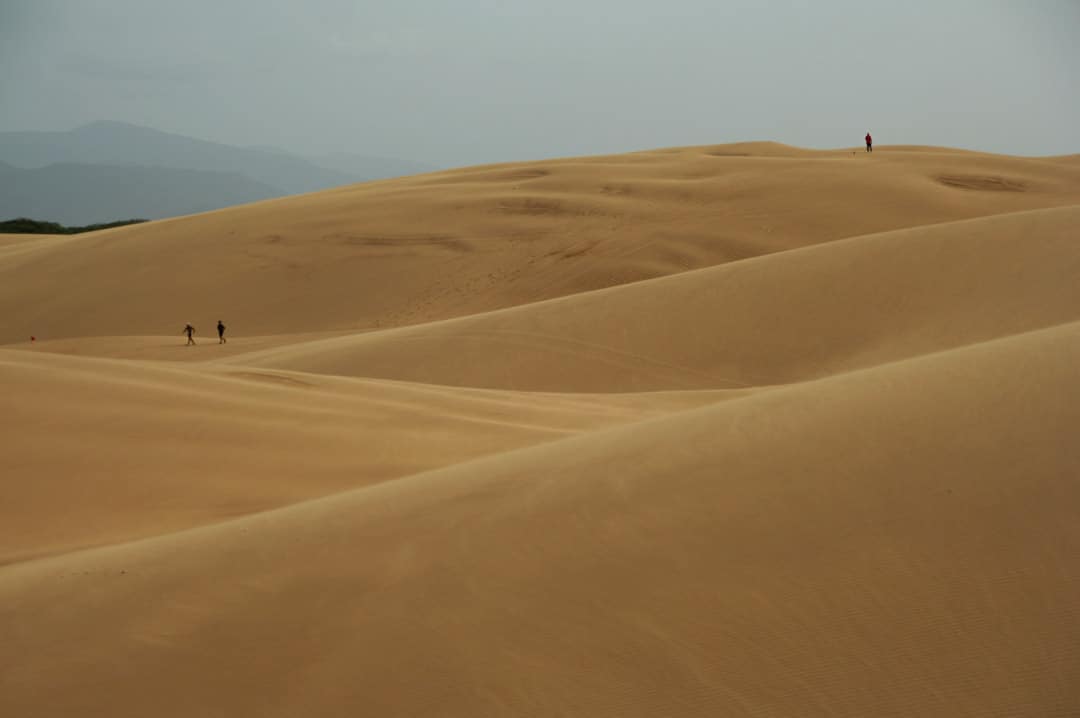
pixel 870 299
pixel 455 243
pixel 685 612
pixel 740 430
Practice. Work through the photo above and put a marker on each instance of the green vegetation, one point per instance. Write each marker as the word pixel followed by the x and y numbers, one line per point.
pixel 22 225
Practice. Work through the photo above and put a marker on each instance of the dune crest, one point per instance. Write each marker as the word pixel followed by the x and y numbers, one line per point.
pixel 456 243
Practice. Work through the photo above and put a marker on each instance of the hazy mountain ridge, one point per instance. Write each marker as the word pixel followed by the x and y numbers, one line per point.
pixel 88 194
pixel 144 172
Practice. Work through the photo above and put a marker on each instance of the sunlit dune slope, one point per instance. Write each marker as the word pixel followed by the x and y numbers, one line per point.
pixel 460 242
pixel 14 244
pixel 100 451
pixel 776 319
pixel 892 542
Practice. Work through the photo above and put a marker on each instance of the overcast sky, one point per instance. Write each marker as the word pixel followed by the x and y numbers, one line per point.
pixel 465 81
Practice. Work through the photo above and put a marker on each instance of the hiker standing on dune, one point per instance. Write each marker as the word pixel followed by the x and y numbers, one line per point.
pixel 220 332
pixel 869 143
pixel 189 330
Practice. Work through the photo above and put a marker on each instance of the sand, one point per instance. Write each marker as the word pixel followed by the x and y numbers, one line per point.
pixel 742 430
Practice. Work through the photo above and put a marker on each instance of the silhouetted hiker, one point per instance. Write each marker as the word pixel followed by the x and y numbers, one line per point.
pixel 220 332
pixel 869 143
pixel 189 330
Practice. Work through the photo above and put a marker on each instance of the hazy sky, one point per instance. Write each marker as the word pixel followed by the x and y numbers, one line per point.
pixel 465 81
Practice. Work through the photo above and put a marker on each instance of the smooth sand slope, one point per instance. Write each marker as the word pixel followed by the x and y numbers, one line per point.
pixel 896 542
pixel 461 242
pixel 770 320
pixel 815 455
pixel 108 451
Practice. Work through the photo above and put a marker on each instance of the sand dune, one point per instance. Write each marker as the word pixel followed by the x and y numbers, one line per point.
pixel 456 243
pixel 14 244
pixel 909 552
pixel 742 430
pixel 114 450
pixel 775 319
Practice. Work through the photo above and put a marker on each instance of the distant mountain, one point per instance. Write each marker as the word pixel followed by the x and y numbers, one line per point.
pixel 116 143
pixel 371 167
pixel 78 194
pixel 269 148
pixel 159 166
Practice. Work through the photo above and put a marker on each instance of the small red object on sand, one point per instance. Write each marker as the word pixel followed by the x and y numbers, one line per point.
pixel 33 339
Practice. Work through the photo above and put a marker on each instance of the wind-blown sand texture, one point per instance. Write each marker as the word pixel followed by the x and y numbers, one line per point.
pixel 743 430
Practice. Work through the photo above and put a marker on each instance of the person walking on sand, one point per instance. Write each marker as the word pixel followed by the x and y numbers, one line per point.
pixel 220 332
pixel 869 143
pixel 189 330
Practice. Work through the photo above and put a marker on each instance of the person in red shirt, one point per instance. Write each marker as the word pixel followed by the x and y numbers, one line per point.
pixel 869 143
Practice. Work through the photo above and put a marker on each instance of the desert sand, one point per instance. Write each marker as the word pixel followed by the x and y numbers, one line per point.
pixel 740 430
